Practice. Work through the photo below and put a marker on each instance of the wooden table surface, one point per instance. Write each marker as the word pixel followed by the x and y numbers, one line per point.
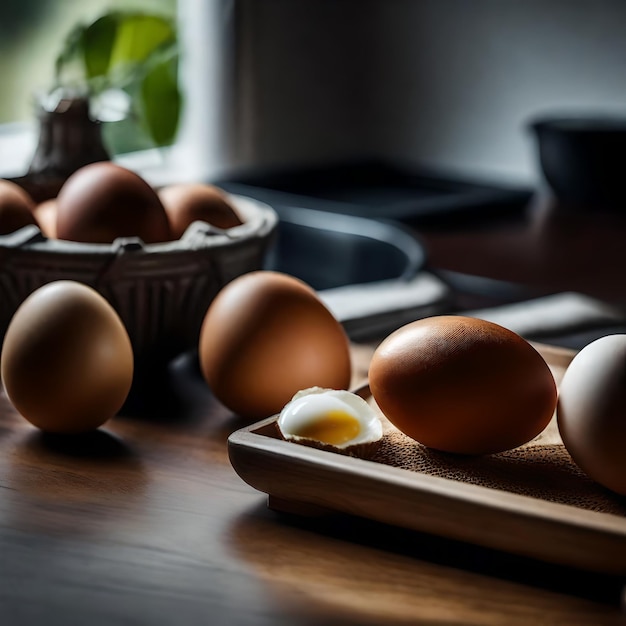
pixel 548 248
pixel 145 521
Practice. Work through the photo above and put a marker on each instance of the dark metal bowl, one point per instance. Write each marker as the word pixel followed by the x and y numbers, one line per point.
pixel 583 159
pixel 329 250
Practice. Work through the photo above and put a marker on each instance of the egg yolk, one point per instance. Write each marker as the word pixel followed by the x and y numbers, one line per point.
pixel 334 427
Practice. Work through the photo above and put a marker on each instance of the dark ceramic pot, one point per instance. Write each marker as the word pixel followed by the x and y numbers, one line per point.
pixel 583 159
pixel 68 140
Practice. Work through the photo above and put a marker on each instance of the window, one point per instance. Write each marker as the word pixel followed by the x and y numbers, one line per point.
pixel 31 33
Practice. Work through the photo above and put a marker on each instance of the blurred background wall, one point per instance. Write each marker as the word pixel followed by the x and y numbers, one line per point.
pixel 447 83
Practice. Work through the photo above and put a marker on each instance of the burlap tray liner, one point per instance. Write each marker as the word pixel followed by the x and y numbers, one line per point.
pixel 540 469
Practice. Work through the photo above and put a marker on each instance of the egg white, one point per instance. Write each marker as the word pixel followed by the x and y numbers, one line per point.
pixel 311 405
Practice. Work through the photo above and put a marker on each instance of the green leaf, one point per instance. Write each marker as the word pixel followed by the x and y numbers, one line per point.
pixel 160 102
pixel 113 48
pixel 133 51
pixel 97 44
pixel 140 35
pixel 71 52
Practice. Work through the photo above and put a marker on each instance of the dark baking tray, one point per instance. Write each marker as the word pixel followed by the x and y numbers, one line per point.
pixel 378 190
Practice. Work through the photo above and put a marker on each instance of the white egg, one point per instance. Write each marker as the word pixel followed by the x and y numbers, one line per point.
pixel 332 419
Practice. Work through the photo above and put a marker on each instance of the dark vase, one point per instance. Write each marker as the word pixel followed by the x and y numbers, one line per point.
pixel 68 140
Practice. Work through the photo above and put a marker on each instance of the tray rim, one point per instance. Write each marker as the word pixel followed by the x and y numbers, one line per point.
pixel 520 524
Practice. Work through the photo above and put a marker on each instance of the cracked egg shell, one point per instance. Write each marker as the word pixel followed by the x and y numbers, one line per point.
pixel 331 419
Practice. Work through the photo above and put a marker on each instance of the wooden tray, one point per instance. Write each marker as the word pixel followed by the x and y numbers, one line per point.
pixel 305 480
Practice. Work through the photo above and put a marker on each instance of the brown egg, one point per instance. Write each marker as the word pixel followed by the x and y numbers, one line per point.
pixel 16 208
pixel 462 385
pixel 103 201
pixel 265 337
pixel 46 215
pixel 591 411
pixel 187 202
pixel 67 361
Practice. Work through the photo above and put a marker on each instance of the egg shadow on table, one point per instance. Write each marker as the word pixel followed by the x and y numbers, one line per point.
pixel 174 393
pixel 96 445
pixel 82 465
pixel 407 563
pixel 165 390
pixel 74 484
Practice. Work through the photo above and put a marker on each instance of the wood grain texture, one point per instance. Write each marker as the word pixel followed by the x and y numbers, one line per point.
pixel 146 522
pixel 549 248
pixel 497 518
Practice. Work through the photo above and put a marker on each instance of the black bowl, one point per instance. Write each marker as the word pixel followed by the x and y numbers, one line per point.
pixel 583 159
